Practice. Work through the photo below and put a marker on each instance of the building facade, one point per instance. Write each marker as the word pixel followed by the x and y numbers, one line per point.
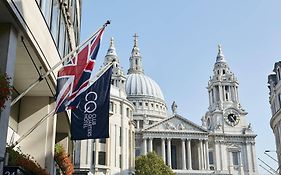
pixel 224 143
pixel 274 85
pixel 116 154
pixel 34 36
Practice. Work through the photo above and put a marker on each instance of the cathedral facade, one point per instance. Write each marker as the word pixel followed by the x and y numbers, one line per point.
pixel 223 144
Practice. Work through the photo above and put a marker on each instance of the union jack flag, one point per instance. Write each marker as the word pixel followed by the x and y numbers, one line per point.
pixel 70 82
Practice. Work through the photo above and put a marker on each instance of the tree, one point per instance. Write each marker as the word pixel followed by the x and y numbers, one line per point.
pixel 152 164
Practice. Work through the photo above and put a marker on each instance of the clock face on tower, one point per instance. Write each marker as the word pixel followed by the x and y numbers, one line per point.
pixel 231 118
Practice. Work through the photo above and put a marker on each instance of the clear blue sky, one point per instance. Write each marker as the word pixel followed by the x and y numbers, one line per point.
pixel 178 43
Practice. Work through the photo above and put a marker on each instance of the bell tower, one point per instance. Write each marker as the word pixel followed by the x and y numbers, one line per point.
pixel 118 78
pixel 225 113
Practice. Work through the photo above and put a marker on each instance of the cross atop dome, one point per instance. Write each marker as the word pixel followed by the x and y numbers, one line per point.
pixel 135 40
pixel 135 59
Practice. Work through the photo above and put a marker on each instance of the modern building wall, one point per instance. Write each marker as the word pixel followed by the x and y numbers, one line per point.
pixel 34 36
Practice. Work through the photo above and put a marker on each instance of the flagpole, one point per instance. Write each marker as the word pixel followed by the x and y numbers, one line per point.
pixel 99 74
pixel 32 129
pixel 42 77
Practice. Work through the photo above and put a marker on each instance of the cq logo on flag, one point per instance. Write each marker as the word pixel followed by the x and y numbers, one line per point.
pixel 89 116
pixel 90 106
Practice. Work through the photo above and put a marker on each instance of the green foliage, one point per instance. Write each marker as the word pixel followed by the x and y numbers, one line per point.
pixel 152 164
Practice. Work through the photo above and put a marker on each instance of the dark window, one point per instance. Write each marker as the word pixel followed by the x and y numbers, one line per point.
pixel 120 160
pixel 94 158
pixel 111 106
pixel 102 140
pixel 137 152
pixel 120 136
pixel 211 158
pixel 235 158
pixel 127 112
pixel 102 157
pixel 55 20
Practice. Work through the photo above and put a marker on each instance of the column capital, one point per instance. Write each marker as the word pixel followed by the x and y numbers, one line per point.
pixel 169 139
pixel 162 138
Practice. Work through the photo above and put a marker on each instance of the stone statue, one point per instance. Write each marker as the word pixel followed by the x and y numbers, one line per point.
pixel 204 123
pixel 174 107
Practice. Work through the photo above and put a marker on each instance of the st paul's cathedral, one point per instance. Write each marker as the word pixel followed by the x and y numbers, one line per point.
pixel 139 123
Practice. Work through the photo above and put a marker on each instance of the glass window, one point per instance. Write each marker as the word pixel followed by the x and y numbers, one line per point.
pixel 120 137
pixel 111 106
pixel 67 46
pixel 55 20
pixel 62 36
pixel 211 158
pixel 235 158
pixel 127 112
pixel 102 157
pixel 102 140
pixel 46 7
pixel 120 160
pixel 93 159
pixel 137 152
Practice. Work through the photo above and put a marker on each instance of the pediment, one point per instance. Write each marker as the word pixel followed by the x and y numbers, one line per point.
pixel 233 147
pixel 175 123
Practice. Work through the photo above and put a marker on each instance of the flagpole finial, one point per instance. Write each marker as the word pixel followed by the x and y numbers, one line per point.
pixel 107 22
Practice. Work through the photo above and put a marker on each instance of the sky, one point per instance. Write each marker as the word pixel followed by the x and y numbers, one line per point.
pixel 178 43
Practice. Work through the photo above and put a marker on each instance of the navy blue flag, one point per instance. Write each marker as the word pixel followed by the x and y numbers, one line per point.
pixel 90 119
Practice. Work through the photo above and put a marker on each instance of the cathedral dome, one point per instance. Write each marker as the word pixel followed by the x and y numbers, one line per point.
pixel 143 92
pixel 140 84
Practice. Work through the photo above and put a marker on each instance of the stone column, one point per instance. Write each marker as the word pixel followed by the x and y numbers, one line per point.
pixel 201 164
pixel 8 46
pixel 207 154
pixel 163 150
pixel 169 152
pixel 183 154
pixel 107 146
pixel 138 124
pixel 236 94
pixel 144 148
pixel 96 152
pixel 150 145
pixel 217 156
pixel 254 157
pixel 221 93
pixel 189 161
